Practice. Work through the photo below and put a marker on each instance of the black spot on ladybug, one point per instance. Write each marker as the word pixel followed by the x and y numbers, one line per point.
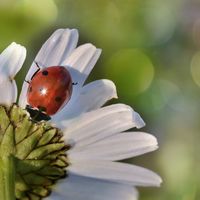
pixel 58 99
pixel 45 73
pixel 30 89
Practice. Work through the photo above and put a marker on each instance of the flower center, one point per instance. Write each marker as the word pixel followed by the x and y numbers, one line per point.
pixel 39 151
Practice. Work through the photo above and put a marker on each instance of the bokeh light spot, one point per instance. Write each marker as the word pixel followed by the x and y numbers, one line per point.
pixel 161 93
pixel 195 68
pixel 159 21
pixel 131 70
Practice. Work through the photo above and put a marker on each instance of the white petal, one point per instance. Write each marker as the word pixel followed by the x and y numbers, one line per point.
pixel 117 147
pixel 8 90
pixel 59 46
pixel 12 59
pixel 92 96
pixel 116 172
pixel 99 124
pixel 82 188
pixel 81 62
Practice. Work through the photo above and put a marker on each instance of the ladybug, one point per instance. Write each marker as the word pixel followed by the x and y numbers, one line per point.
pixel 49 90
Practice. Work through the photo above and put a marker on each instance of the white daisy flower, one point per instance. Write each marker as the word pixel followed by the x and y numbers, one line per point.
pixel 95 136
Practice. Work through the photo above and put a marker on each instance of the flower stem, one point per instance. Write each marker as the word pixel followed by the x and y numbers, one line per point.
pixel 7 178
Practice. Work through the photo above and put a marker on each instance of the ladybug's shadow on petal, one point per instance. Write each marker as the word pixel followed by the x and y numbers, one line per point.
pixel 77 77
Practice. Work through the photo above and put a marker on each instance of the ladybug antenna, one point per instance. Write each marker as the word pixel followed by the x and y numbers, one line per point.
pixel 38 66
pixel 36 70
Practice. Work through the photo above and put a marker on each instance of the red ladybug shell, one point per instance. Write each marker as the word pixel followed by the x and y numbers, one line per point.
pixel 50 89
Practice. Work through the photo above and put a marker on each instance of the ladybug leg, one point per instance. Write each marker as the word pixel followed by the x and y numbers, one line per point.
pixel 36 70
pixel 28 82
pixel 41 115
pixel 38 66
pixel 76 83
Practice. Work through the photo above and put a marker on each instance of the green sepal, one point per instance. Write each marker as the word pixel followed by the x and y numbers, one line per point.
pixel 38 155
pixel 43 151
pixel 36 179
pixel 26 146
pixel 28 166
pixel 43 192
pixel 8 142
pixel 52 171
pixel 24 128
pixel 4 121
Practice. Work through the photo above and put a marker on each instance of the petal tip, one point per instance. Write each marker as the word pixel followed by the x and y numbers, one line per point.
pixel 74 31
pixel 113 89
pixel 13 44
pixel 159 181
pixel 138 120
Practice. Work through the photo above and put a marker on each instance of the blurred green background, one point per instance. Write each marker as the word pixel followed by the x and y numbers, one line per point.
pixel 151 50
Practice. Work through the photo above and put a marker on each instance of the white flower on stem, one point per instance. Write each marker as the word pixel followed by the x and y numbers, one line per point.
pixel 96 135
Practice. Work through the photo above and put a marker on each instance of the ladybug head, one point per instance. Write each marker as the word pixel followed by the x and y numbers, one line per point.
pixel 37 114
